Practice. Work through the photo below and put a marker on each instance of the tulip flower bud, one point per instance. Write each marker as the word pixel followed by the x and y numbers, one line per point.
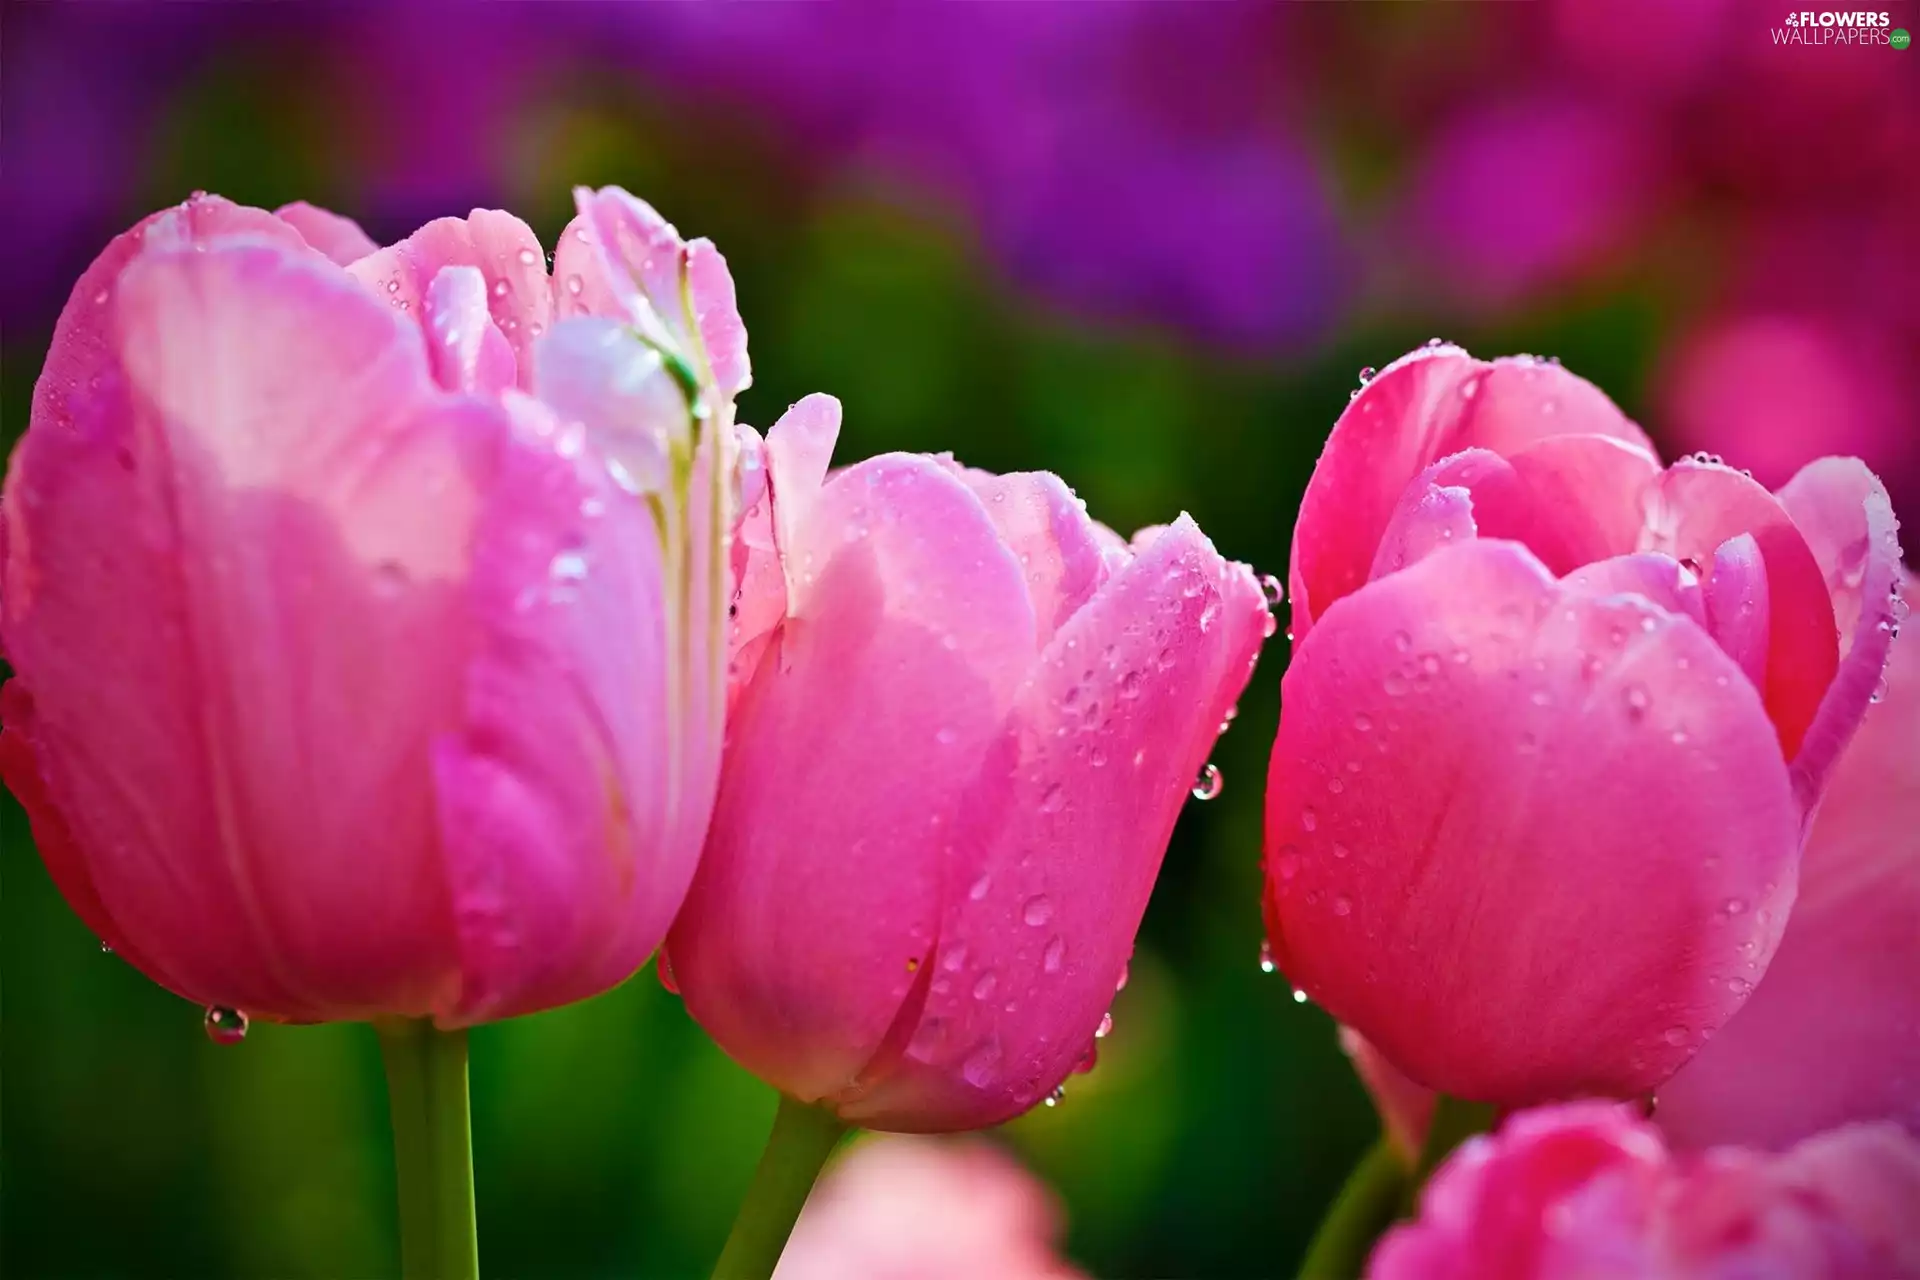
pixel 352 679
pixel 1588 1190
pixel 966 719
pixel 1555 726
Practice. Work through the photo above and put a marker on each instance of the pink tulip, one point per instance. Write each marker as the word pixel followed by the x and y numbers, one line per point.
pixel 1555 727
pixel 928 1209
pixel 352 679
pixel 1586 1190
pixel 959 748
pixel 1832 1035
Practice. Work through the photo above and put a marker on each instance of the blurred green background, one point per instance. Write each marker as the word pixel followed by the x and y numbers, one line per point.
pixel 612 1138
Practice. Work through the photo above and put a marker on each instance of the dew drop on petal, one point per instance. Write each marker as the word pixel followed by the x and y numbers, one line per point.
pixel 1266 957
pixel 1273 589
pixel 1038 911
pixel 225 1025
pixel 1209 784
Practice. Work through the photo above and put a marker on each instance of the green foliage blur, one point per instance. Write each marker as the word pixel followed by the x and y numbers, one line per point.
pixel 612 1138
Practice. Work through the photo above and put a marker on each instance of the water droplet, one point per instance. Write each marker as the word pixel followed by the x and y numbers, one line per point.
pixel 1120 983
pixel 1055 956
pixel 1209 784
pixel 500 288
pixel 1637 700
pixel 575 284
pixel 1053 798
pixel 1540 698
pixel 1309 820
pixel 980 887
pixel 983 985
pixel 1675 1036
pixel 1038 911
pixel 225 1025
pixel 106 948
pixel 1402 641
pixel 1340 850
pixel 1273 589
pixel 1733 907
pixel 1287 862
pixel 393 286
pixel 528 257
pixel 1335 786
pixel 981 1064
pixel 1299 996
pixel 1266 957
pixel 945 737
pixel 1366 374
pixel 1343 905
pixel 1129 685
pixel 568 566
pixel 1739 986
pixel 1059 1093
pixel 1363 722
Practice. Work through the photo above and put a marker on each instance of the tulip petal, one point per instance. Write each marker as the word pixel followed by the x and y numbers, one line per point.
pixel 1536 768
pixel 465 349
pixel 837 779
pixel 1833 1033
pixel 1658 578
pixel 265 494
pixel 1426 406
pixel 340 238
pixel 1050 534
pixel 1737 605
pixel 799 449
pixel 1060 839
pixel 1848 522
pixel 573 805
pixel 1694 508
pixel 1429 517
pixel 505 250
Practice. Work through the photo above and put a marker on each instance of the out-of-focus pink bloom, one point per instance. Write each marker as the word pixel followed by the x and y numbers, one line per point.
pixel 960 744
pixel 351 678
pixel 1833 1033
pixel 1555 726
pixel 929 1209
pixel 1783 389
pixel 1588 1190
pixel 1519 195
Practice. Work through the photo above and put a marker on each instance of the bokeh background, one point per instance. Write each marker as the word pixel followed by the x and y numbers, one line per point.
pixel 1147 246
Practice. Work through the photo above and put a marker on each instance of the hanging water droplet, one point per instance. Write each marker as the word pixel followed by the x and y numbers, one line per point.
pixel 1637 700
pixel 1120 983
pixel 1105 1028
pixel 1266 957
pixel 1299 996
pixel 1038 911
pixel 1059 1092
pixel 225 1025
pixel 663 970
pixel 1273 589
pixel 106 948
pixel 1209 784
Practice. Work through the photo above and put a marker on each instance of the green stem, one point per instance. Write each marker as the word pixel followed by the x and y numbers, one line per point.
pixel 1365 1207
pixel 1454 1121
pixel 803 1137
pixel 432 1148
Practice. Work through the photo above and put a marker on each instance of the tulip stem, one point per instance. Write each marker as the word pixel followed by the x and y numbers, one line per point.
pixel 1365 1207
pixel 432 1148
pixel 803 1137
pixel 1454 1121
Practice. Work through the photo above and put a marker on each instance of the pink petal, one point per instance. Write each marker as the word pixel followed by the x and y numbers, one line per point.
pixel 250 541
pixel 1844 513
pixel 574 803
pixel 813 914
pixel 1833 1033
pixel 1428 405
pixel 759 585
pixel 1429 517
pixel 717 316
pixel 799 449
pixel 1406 1108
pixel 1050 534
pixel 1479 772
pixel 1659 579
pixel 1694 509
pixel 1737 606
pixel 1059 840
pixel 340 238
pixel 465 349
pixel 595 373
pixel 505 250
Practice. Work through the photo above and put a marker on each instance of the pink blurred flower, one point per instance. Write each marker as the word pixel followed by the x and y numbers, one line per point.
pixel 1555 726
pixel 351 679
pixel 965 727
pixel 1833 1033
pixel 1587 1190
pixel 926 1209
